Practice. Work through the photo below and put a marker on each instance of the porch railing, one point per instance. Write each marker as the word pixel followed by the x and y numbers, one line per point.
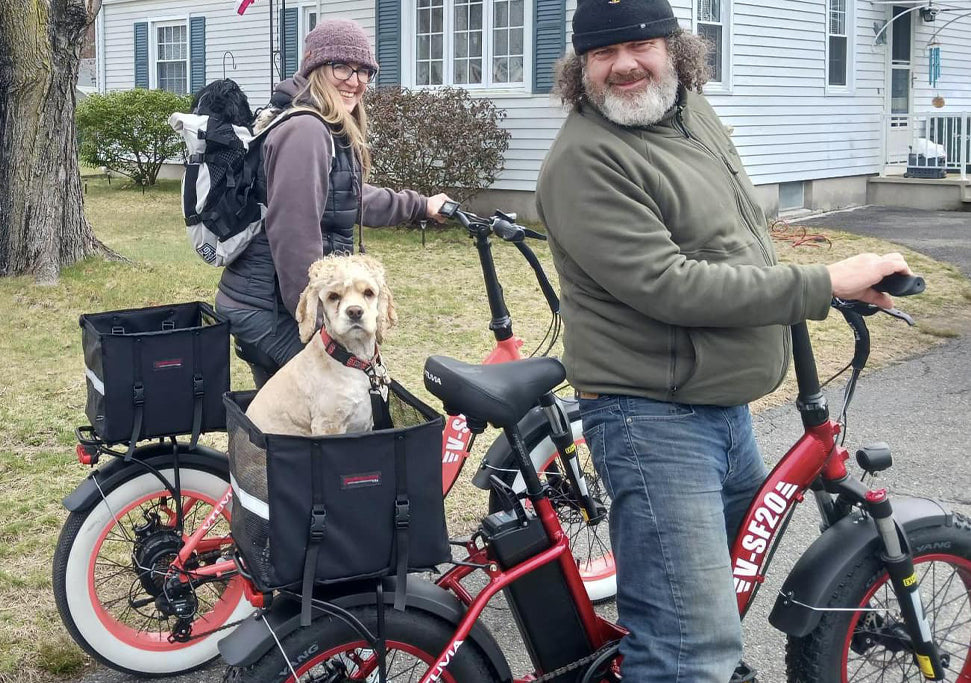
pixel 928 144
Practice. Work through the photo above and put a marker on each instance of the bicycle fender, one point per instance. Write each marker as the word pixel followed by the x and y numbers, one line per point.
pixel 86 495
pixel 252 639
pixel 819 571
pixel 500 456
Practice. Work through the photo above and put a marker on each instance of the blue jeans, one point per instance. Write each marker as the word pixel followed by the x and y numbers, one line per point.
pixel 680 478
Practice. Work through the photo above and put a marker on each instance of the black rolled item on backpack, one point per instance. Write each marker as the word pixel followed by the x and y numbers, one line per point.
pixel 155 372
pixel 338 508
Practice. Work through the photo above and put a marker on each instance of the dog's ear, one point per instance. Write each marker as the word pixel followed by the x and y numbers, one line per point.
pixel 306 313
pixel 387 313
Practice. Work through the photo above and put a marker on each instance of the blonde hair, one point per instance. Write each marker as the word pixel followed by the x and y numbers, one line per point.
pixel 321 95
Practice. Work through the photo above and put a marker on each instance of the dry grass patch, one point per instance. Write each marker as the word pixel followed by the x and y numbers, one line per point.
pixel 443 310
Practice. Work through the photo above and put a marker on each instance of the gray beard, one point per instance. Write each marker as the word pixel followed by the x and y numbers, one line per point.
pixel 643 108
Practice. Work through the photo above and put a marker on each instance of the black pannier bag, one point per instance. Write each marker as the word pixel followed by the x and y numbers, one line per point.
pixel 154 372
pixel 337 508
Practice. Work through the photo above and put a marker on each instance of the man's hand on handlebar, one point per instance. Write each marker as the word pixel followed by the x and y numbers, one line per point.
pixel 853 278
pixel 434 206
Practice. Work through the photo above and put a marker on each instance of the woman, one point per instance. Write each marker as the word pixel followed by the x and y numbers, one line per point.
pixel 315 165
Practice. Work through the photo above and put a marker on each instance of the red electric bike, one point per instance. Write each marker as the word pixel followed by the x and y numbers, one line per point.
pixel 881 595
pixel 135 523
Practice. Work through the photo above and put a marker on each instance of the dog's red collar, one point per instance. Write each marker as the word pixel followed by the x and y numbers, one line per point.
pixel 337 351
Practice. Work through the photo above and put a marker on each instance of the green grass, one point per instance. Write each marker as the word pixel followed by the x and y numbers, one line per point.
pixel 443 310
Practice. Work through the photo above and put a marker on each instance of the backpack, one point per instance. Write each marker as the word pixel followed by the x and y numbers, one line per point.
pixel 224 185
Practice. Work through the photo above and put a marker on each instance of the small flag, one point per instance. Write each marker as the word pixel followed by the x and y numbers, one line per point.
pixel 242 5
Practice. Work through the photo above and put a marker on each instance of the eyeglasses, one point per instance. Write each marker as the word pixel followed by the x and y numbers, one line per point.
pixel 343 72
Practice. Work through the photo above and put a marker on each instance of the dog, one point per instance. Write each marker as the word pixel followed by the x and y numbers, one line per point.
pixel 316 394
pixel 225 100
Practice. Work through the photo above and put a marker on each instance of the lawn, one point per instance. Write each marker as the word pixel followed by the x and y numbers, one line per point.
pixel 443 310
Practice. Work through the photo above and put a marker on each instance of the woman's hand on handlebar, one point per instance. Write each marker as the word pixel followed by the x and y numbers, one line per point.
pixel 853 278
pixel 434 205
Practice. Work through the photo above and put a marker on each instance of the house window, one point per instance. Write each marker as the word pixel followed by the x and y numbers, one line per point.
pixel 792 196
pixel 172 57
pixel 472 43
pixel 837 44
pixel 710 23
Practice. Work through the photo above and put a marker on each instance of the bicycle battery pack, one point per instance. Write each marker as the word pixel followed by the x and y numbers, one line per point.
pixel 540 601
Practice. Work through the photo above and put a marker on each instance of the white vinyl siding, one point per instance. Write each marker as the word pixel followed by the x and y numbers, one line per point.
pixel 786 124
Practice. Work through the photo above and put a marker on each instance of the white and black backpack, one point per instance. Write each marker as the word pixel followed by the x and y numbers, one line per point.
pixel 224 186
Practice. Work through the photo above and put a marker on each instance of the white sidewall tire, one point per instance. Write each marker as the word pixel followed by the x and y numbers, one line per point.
pixel 79 602
pixel 601 589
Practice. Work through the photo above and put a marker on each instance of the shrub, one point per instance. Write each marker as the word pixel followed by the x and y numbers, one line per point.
pixel 435 140
pixel 128 132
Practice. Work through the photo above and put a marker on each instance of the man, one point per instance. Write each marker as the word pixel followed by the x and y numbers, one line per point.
pixel 676 317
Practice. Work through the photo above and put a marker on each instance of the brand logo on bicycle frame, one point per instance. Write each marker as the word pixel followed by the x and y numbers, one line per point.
pixel 759 532
pixel 444 661
pixel 456 443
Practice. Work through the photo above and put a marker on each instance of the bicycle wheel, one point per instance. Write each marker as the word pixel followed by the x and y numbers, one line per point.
pixel 329 651
pixel 109 569
pixel 590 544
pixel 849 647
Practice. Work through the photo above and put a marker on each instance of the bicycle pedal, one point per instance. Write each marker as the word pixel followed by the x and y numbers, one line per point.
pixel 744 674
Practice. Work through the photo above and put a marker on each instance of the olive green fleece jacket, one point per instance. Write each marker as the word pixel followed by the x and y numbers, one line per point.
pixel 669 282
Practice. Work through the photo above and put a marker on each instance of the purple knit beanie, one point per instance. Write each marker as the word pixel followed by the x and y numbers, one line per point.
pixel 336 40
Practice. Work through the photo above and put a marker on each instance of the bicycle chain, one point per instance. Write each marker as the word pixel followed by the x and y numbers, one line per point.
pixel 572 666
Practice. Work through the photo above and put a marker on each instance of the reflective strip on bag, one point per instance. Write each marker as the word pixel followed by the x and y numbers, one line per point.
pixel 98 385
pixel 249 501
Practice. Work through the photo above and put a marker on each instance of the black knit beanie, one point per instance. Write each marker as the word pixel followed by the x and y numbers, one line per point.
pixel 597 23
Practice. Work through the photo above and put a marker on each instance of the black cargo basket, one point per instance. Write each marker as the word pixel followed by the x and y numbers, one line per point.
pixel 155 372
pixel 338 508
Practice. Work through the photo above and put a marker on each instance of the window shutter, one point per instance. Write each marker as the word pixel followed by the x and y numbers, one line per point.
pixel 197 52
pixel 389 41
pixel 288 35
pixel 141 55
pixel 549 42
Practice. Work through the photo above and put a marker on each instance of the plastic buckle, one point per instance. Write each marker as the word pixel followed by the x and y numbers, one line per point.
pixel 118 329
pixel 318 523
pixel 402 513
pixel 168 325
pixel 198 387
pixel 138 397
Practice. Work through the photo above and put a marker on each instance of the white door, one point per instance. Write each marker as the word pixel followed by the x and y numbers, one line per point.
pixel 900 85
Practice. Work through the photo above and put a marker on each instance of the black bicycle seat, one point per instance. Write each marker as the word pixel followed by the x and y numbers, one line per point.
pixel 499 393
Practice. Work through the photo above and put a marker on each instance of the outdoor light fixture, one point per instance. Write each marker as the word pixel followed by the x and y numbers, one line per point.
pixel 928 14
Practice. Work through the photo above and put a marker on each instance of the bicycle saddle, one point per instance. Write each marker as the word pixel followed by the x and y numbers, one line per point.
pixel 499 393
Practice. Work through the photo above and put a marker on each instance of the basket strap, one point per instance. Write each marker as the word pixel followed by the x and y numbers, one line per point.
pixel 380 409
pixel 315 535
pixel 138 399
pixel 198 390
pixel 402 519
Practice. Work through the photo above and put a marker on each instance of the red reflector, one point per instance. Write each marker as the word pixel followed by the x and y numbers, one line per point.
pixel 84 457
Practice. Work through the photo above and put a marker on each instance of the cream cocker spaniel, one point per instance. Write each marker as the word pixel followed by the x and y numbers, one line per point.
pixel 316 394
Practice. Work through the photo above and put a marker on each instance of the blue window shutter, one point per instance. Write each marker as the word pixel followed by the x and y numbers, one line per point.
pixel 549 41
pixel 288 35
pixel 197 52
pixel 141 55
pixel 389 41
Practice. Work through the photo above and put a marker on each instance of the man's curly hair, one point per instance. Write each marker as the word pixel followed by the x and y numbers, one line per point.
pixel 688 52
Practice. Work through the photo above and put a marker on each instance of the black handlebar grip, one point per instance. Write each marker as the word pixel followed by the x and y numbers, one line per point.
pixel 899 284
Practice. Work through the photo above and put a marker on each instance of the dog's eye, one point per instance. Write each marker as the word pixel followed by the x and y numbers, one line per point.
pixel 333 296
pixel 368 293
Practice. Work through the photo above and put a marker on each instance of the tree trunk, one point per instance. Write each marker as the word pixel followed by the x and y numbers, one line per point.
pixel 42 224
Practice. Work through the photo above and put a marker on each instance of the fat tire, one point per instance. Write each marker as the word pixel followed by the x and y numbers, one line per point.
pixel 420 630
pixel 605 590
pixel 818 657
pixel 101 645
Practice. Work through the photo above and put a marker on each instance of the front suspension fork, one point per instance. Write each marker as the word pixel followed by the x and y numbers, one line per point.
pixel 903 578
pixel 561 433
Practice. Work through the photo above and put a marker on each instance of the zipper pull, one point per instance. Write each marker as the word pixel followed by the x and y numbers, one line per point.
pixel 731 166
pixel 680 119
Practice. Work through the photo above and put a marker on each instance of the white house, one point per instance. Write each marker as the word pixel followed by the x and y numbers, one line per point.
pixel 820 94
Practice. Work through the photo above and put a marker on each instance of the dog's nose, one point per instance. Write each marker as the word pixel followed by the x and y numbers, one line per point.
pixel 355 312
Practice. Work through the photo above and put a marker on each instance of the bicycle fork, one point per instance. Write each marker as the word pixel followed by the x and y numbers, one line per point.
pixel 903 578
pixel 561 433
